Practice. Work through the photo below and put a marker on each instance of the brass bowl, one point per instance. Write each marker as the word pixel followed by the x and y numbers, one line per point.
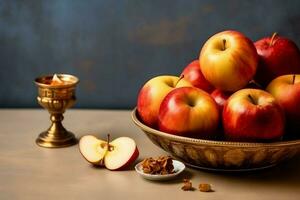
pixel 221 155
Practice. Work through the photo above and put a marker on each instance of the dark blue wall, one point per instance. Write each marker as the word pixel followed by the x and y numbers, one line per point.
pixel 115 46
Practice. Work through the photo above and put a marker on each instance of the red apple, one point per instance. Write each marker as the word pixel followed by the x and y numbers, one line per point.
pixel 228 60
pixel 152 94
pixel 220 98
pixel 253 115
pixel 277 56
pixel 193 74
pixel 190 112
pixel 115 155
pixel 286 90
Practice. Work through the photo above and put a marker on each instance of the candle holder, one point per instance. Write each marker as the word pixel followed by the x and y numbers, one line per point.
pixel 56 99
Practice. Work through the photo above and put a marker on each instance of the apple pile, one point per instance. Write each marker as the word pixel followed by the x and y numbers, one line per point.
pixel 237 90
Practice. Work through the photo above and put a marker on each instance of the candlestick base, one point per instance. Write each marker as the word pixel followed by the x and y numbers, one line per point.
pixel 63 139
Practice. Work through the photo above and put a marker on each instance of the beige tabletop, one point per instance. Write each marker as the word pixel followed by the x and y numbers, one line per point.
pixel 30 172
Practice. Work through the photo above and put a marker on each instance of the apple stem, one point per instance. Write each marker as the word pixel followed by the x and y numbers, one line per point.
pixel 224 45
pixel 108 138
pixel 181 77
pixel 256 83
pixel 272 39
pixel 252 99
pixel 294 77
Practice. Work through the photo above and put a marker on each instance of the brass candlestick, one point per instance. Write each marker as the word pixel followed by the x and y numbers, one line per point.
pixel 56 98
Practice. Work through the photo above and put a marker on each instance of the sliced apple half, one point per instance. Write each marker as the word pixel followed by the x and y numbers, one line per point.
pixel 123 151
pixel 115 155
pixel 93 149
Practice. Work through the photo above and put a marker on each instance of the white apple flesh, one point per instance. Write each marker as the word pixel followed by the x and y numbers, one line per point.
pixel 122 153
pixel 93 149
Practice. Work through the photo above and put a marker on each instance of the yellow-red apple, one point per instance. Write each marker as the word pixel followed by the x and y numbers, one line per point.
pixel 253 115
pixel 193 74
pixel 286 90
pixel 152 94
pixel 190 112
pixel 228 60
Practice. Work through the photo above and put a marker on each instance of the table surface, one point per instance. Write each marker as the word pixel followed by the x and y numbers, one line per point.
pixel 31 172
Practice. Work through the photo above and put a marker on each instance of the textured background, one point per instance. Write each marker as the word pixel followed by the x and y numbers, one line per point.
pixel 115 46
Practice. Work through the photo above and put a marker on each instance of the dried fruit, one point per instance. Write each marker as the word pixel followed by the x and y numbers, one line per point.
pixel 187 185
pixel 205 187
pixel 162 165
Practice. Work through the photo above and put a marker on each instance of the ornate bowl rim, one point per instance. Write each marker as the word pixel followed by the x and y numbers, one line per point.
pixel 208 142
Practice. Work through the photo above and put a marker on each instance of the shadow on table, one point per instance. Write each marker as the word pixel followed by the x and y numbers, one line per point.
pixel 187 174
pixel 283 175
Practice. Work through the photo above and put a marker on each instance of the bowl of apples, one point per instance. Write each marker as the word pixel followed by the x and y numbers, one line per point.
pixel 236 108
